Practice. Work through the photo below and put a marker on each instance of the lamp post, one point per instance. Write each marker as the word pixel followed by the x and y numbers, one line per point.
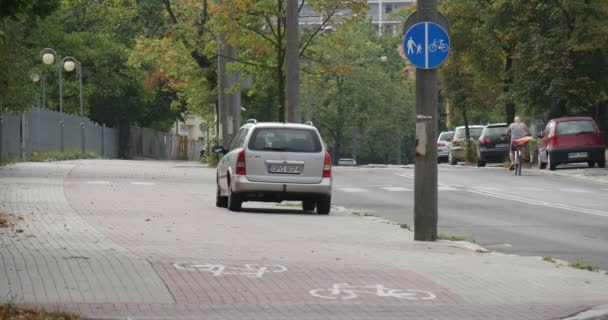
pixel 36 75
pixel 70 63
pixel 50 56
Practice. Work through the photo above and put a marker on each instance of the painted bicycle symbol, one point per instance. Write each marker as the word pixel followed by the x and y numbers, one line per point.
pixel 438 44
pixel 344 291
pixel 218 270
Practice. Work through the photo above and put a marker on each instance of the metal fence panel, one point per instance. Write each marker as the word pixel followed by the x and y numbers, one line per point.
pixel 11 136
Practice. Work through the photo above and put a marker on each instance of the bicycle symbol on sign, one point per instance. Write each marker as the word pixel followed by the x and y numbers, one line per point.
pixel 218 270
pixel 438 44
pixel 345 291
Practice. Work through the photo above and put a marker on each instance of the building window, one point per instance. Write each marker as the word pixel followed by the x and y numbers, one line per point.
pixel 388 8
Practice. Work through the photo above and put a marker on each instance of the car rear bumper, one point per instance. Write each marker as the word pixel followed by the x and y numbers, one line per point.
pixel 562 155
pixel 280 191
pixel 442 152
pixel 494 154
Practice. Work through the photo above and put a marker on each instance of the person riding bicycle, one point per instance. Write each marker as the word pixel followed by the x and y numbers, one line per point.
pixel 517 130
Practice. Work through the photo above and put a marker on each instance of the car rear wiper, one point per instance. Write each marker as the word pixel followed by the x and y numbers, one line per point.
pixel 585 132
pixel 274 149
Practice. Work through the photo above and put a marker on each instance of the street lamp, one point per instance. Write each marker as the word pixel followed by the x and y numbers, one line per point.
pixel 50 56
pixel 70 63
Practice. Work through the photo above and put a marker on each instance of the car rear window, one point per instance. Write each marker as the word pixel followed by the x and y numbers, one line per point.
pixel 446 136
pixel 475 133
pixel 495 132
pixel 575 127
pixel 285 140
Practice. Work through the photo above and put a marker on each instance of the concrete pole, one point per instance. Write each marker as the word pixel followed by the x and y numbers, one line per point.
pixel 380 17
pixel 425 181
pixel 235 97
pixel 59 66
pixel 222 99
pixel 82 137
pixel 292 97
pixel 308 98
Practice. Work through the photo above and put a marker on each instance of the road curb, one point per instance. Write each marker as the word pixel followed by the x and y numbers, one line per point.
pixel 596 313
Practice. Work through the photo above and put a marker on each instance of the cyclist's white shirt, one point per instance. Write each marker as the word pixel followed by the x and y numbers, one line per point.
pixel 518 130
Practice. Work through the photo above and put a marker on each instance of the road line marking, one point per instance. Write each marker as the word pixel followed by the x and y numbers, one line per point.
pixel 487 188
pixel 446 188
pixel 98 182
pixel 142 183
pixel 396 189
pixel 531 189
pixel 352 189
pixel 574 190
pixel 376 185
pixel 404 175
pixel 541 203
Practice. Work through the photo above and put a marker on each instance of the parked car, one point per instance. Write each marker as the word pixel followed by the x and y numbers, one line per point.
pixel 458 150
pixel 347 162
pixel 570 140
pixel 273 162
pixel 493 144
pixel 444 142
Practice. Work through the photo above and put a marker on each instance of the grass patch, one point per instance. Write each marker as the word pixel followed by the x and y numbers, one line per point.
pixel 363 214
pixel 7 161
pixel 59 156
pixel 549 259
pixel 482 251
pixel 5 221
pixel 451 238
pixel 584 266
pixel 12 311
pixel 405 226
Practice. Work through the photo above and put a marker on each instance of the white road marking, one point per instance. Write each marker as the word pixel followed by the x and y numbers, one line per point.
pixel 604 189
pixel 487 188
pixel 352 189
pixel 218 270
pixel 396 189
pixel 405 175
pixel 376 185
pixel 535 189
pixel 541 203
pixel 574 190
pixel 446 188
pixel 142 183
pixel 345 291
pixel 98 182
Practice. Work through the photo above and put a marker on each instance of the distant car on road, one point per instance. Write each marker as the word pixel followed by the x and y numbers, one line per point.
pixel 570 140
pixel 347 162
pixel 458 150
pixel 444 142
pixel 493 144
pixel 273 162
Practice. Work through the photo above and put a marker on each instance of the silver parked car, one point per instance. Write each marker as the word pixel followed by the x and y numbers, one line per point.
pixel 273 162
pixel 444 142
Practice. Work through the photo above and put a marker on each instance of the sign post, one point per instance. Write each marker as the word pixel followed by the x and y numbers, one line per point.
pixel 426 44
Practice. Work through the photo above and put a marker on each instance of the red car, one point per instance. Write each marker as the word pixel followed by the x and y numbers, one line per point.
pixel 569 140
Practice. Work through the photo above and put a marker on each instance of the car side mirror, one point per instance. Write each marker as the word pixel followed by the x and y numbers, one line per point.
pixel 219 149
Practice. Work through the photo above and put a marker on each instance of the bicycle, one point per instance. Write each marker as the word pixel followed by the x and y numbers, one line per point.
pixel 520 144
pixel 344 291
pixel 438 44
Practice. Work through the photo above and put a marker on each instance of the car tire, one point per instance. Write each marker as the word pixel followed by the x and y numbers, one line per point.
pixel 234 201
pixel 481 163
pixel 601 163
pixel 591 164
pixel 308 205
pixel 552 164
pixel 541 164
pixel 220 202
pixel 451 159
pixel 324 205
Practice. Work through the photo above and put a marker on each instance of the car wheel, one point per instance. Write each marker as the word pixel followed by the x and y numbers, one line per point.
pixel 481 163
pixel 551 163
pixel 220 202
pixel 451 159
pixel 234 201
pixel 324 205
pixel 308 205
pixel 591 164
pixel 601 163
pixel 541 164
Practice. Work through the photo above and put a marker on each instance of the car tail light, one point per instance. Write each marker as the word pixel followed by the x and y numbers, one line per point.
pixel 441 144
pixel 455 143
pixel 240 163
pixel 327 166
pixel 486 140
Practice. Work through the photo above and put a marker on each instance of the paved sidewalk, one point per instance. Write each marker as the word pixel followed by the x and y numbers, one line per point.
pixel 144 240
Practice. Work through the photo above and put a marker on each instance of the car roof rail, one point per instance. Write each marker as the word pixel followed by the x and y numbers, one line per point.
pixel 254 121
pixel 309 123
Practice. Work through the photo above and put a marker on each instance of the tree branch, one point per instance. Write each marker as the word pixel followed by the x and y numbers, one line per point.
pixel 317 31
pixel 167 4
pixel 245 62
pixel 265 37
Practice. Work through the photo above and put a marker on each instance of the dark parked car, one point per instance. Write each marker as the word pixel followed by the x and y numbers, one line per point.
pixel 568 140
pixel 493 144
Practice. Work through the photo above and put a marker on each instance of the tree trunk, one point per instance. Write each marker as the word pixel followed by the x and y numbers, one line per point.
pixel 508 81
pixel 124 135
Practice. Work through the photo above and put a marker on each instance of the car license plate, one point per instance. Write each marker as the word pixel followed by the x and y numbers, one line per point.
pixel 577 155
pixel 502 145
pixel 288 169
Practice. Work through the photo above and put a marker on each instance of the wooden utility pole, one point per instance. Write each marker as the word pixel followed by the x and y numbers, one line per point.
pixel 425 181
pixel 292 97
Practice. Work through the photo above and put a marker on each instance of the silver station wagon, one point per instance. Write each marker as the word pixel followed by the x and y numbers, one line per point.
pixel 274 162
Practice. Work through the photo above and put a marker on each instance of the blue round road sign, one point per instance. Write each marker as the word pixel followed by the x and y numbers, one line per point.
pixel 426 45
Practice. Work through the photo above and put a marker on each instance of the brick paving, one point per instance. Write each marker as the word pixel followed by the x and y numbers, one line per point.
pixel 97 243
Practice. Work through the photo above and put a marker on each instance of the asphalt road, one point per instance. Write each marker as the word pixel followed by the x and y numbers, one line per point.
pixel 533 215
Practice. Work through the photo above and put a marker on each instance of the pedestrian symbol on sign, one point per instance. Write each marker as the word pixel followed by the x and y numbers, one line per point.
pixel 427 45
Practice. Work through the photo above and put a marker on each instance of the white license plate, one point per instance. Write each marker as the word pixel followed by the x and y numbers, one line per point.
pixel 281 168
pixel 577 155
pixel 502 145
